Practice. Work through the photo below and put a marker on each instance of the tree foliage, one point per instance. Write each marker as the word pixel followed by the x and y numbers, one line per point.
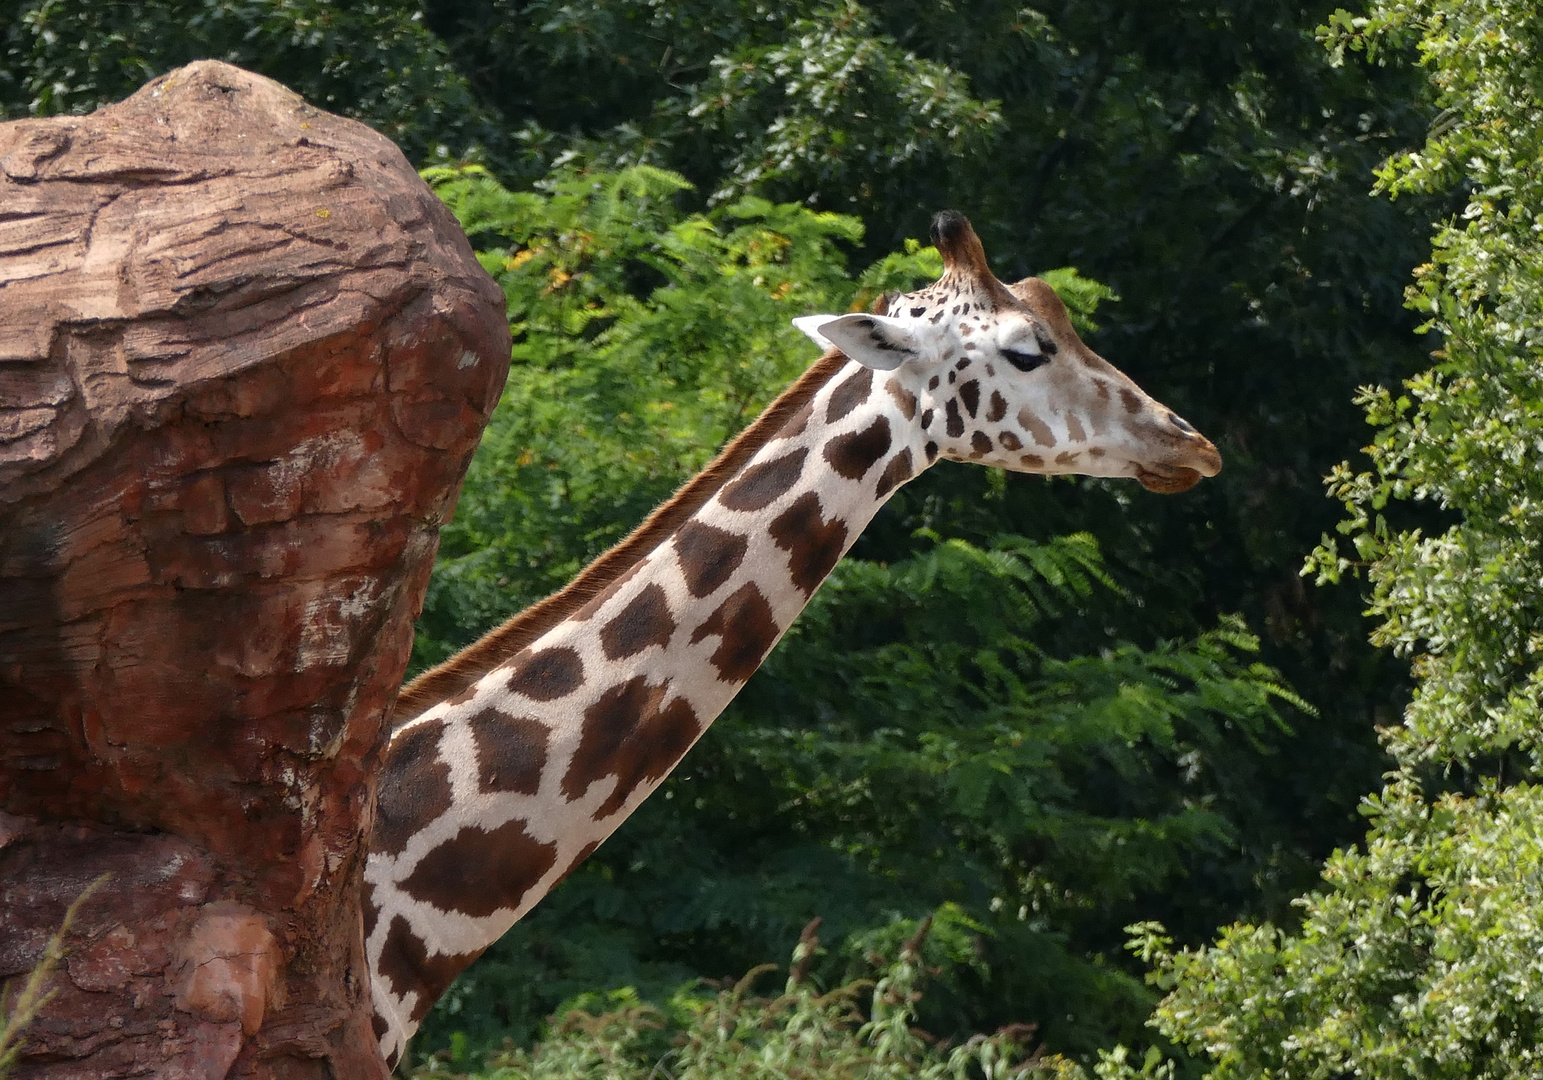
pixel 657 186
pixel 863 1029
pixel 953 726
pixel 1418 955
pixel 1205 161
pixel 643 339
pixel 373 61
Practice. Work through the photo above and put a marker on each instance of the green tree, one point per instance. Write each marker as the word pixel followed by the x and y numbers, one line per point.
pixel 373 61
pixel 1205 160
pixel 862 1030
pixel 1418 954
pixel 959 725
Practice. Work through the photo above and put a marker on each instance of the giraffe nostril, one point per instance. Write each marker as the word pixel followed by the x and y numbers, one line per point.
pixel 1182 424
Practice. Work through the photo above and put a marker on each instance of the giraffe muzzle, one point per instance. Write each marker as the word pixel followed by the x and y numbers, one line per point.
pixel 1167 479
pixel 1198 458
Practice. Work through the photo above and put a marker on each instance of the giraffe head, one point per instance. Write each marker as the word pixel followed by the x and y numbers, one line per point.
pixel 999 376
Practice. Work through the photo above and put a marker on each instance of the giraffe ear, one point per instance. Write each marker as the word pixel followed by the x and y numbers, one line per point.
pixel 875 341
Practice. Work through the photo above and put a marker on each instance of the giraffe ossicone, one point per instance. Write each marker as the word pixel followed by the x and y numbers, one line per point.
pixel 514 760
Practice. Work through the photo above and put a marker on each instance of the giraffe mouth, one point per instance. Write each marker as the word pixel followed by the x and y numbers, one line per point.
pixel 1166 479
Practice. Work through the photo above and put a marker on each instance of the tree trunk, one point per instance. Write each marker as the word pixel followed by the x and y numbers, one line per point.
pixel 245 357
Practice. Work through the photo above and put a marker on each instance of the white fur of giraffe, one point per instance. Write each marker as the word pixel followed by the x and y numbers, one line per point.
pixel 542 747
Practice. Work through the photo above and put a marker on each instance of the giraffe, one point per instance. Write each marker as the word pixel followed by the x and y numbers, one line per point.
pixel 515 759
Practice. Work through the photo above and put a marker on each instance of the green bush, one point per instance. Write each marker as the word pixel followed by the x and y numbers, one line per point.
pixel 1418 956
pixel 862 1030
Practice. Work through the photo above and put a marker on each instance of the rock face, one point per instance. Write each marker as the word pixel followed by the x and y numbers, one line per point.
pixel 245 357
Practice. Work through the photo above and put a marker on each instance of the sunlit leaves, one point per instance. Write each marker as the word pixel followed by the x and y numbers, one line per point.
pixel 1419 954
pixel 835 99
pixel 643 339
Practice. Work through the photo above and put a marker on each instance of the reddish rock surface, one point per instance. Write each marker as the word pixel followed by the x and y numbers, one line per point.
pixel 245 357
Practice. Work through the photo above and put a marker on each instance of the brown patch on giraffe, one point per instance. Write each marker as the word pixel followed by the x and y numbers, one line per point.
pixel 955 425
pixel 408 967
pixel 1032 461
pixel 969 393
pixel 1067 457
pixel 1097 451
pixel 1130 399
pixel 479 871
pixel 547 674
pixel 645 621
pixel 1009 441
pixel 781 419
pixel 598 600
pixel 466 694
pixel 980 445
pixel 627 735
pixel 854 453
pixel 1074 430
pixel 379 1026
pixel 813 544
pixel 369 912
pixel 511 751
pixel 998 407
pixel 796 423
pixel 708 556
pixel 897 472
pixel 745 623
pixel 903 398
pixel 761 485
pixel 1098 421
pixel 931 450
pixel 414 787
pixel 927 419
pixel 1035 427
pixel 849 394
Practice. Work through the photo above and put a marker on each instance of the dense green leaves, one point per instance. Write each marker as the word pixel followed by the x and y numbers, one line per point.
pixel 1017 691
pixel 1205 161
pixel 1419 954
pixel 644 338
pixel 955 726
pixel 860 1031
pixel 373 61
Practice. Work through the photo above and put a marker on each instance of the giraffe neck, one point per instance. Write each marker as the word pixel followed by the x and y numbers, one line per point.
pixel 490 797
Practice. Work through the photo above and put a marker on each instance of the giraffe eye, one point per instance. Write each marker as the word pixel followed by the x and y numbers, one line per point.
pixel 1025 361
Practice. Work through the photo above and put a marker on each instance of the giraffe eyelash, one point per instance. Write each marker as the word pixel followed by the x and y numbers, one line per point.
pixel 1024 361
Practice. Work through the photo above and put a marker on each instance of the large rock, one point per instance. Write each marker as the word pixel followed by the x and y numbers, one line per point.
pixel 245 357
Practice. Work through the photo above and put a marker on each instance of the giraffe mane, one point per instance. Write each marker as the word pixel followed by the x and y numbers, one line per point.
pixel 497 645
